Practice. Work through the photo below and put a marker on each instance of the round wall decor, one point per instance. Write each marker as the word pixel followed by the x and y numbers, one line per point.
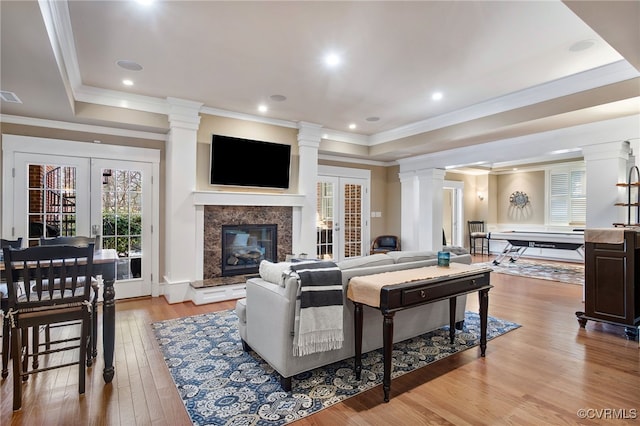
pixel 519 199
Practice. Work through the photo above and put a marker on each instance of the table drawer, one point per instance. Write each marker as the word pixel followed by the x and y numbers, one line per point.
pixel 420 294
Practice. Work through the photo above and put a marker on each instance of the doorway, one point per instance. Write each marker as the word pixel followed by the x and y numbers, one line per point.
pixel 342 213
pixel 46 194
pixel 452 213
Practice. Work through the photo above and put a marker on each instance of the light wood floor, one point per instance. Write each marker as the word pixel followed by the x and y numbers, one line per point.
pixel 540 374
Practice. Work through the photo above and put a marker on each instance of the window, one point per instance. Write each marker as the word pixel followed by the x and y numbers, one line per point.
pixel 567 192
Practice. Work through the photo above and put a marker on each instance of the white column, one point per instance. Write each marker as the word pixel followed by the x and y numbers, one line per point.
pixel 180 211
pixel 409 211
pixel 309 136
pixel 607 164
pixel 431 184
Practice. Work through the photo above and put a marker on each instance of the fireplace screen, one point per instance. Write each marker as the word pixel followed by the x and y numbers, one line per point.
pixel 245 246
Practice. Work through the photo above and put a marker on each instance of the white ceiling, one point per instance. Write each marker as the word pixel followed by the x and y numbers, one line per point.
pixel 506 68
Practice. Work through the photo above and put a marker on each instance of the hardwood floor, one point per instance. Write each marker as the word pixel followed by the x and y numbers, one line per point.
pixel 542 373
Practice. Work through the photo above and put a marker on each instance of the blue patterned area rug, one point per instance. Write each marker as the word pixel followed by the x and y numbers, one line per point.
pixel 220 384
pixel 571 273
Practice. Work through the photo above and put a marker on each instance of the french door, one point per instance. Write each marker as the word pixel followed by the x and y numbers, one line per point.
pixel 61 195
pixel 342 212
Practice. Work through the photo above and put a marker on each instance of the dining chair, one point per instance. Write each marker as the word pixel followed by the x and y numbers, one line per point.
pixel 6 330
pixel 81 241
pixel 57 289
pixel 477 232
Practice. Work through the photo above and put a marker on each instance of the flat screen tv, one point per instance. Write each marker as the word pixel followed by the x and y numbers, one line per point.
pixel 246 162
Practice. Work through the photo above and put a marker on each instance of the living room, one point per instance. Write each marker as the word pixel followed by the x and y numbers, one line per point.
pixel 405 171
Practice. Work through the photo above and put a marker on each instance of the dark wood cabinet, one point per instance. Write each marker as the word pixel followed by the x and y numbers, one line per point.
pixel 612 281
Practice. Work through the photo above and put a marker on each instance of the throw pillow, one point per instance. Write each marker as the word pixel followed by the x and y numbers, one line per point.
pixel 274 272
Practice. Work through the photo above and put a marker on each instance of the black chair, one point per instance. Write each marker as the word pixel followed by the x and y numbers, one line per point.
pixel 6 329
pixel 79 241
pixel 57 289
pixel 384 244
pixel 477 232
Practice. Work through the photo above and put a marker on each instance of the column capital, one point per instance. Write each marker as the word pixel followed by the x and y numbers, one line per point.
pixel 309 134
pixel 184 114
pixel 607 150
pixel 430 173
pixel 406 177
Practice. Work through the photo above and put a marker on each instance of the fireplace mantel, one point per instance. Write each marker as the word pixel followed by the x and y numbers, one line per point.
pixel 224 198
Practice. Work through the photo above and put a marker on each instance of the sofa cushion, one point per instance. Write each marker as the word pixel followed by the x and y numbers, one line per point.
pixel 411 256
pixel 360 262
pixel 274 272
pixel 455 250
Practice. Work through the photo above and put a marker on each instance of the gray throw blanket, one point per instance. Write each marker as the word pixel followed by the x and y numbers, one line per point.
pixel 318 325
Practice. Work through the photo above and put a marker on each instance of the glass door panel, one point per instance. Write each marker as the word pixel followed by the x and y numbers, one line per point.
pixel 352 211
pixel 325 220
pixel 55 192
pixel 122 218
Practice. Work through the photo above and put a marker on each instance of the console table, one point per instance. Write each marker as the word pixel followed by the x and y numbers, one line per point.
pixel 391 292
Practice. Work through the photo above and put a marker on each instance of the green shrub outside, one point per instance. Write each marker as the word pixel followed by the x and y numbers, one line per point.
pixel 121 232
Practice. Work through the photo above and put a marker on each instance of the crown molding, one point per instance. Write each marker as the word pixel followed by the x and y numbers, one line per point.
pixel 597 77
pixel 76 127
pixel 352 160
pixel 248 117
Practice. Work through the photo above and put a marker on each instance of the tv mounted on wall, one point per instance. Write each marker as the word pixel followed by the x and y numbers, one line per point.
pixel 246 162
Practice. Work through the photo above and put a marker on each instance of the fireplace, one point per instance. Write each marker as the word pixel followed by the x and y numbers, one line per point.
pixel 245 246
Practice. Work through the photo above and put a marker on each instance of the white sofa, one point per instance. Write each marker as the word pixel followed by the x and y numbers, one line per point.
pixel 267 314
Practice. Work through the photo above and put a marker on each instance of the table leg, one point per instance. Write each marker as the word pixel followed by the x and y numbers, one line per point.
pixel 452 318
pixel 484 308
pixel 358 335
pixel 387 353
pixel 108 321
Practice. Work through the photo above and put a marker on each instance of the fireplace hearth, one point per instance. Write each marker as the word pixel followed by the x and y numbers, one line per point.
pixel 245 246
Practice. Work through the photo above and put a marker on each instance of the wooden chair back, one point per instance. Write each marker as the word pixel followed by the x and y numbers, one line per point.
pixel 34 275
pixel 76 240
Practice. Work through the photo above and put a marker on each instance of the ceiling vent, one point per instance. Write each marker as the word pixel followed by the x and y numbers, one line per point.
pixel 9 97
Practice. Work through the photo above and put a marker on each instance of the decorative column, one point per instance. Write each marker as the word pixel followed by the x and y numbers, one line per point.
pixel 430 187
pixel 421 215
pixel 607 164
pixel 309 136
pixel 409 211
pixel 180 213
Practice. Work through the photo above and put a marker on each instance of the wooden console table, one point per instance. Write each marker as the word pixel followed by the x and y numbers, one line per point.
pixel 398 290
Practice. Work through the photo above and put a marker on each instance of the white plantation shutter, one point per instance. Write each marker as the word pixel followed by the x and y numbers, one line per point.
pixel 567 197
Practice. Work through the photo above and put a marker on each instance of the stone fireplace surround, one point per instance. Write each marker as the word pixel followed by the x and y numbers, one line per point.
pixel 216 216
pixel 251 202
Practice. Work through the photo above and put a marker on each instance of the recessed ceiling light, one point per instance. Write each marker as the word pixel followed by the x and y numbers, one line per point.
pixel 11 97
pixel 332 60
pixel 581 45
pixel 127 82
pixel 129 65
pixel 278 98
pixel 436 96
pixel 145 2
pixel 373 118
pixel 262 108
pixel 352 126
